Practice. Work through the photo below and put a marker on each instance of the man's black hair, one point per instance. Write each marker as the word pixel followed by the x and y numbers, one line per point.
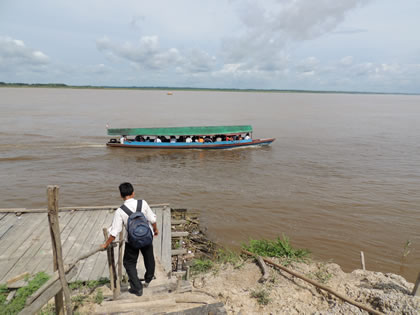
pixel 126 189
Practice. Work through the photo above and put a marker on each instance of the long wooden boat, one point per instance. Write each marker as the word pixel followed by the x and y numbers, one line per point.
pixel 205 137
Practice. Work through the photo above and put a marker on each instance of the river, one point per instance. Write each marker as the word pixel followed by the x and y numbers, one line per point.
pixel 343 175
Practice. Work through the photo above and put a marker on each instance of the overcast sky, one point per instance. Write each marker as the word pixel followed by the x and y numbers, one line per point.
pixel 348 45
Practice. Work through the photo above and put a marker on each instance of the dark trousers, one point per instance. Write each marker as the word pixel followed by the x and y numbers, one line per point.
pixel 131 255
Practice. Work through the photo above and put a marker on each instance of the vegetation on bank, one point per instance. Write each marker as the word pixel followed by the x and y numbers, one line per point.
pixel 279 248
pixel 166 88
pixel 19 300
pixel 81 294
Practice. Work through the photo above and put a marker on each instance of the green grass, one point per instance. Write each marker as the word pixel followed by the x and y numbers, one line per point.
pixel 280 248
pixel 18 302
pixel 262 296
pixel 77 285
pixel 201 266
pixel 227 256
pixel 99 297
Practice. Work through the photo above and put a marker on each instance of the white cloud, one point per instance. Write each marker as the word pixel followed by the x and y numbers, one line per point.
pixel 147 54
pixel 16 56
pixel 272 26
pixel 346 61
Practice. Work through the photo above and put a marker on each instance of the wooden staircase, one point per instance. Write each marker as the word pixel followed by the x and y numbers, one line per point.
pixel 163 296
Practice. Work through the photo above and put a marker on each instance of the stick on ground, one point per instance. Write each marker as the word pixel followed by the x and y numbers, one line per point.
pixel 323 287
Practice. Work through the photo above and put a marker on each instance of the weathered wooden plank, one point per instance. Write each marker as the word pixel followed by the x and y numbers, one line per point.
pixel 177 222
pixel 12 252
pixel 86 267
pixel 69 243
pixel 180 251
pixel 416 289
pixel 72 230
pixel 6 225
pixel 166 239
pixel 17 278
pixel 52 194
pixel 75 208
pixel 32 244
pixel 157 241
pixel 135 305
pixel 101 264
pixel 42 249
pixel 214 309
pixel 43 299
pixel 12 223
pixel 84 242
pixel 179 234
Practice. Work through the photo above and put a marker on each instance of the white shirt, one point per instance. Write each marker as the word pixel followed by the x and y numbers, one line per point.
pixel 188 140
pixel 122 140
pixel 158 140
pixel 247 137
pixel 120 217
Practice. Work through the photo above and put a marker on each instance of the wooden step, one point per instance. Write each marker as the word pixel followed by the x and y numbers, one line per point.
pixel 136 305
pixel 168 303
pixel 179 234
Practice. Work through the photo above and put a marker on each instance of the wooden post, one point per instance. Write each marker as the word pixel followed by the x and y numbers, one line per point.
pixel 52 194
pixel 111 265
pixel 362 260
pixel 120 263
pixel 416 290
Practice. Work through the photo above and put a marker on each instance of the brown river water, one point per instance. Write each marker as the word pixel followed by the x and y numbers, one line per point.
pixel 343 175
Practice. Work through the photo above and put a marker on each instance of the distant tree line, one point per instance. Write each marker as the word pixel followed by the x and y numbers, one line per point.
pixel 166 88
pixel 34 84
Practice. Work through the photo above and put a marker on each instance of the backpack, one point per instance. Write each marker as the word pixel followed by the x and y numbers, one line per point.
pixel 139 233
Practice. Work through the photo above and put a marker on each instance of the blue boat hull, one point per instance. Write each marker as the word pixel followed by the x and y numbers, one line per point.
pixel 192 145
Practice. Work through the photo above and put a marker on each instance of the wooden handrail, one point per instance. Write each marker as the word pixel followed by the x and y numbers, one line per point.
pixel 79 208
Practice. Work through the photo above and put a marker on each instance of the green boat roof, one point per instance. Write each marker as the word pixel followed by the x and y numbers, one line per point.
pixel 181 131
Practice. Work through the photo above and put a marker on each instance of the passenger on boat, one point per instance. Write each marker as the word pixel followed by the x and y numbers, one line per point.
pixel 139 138
pixel 247 137
pixel 123 139
pixel 201 140
pixel 173 139
pixel 188 140
pixel 218 138
pixel 207 139
pixel 157 140
pixel 147 139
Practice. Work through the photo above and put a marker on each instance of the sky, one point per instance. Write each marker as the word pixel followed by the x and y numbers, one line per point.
pixel 328 45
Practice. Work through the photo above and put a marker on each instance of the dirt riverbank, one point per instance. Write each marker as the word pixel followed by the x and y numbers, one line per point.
pixel 236 284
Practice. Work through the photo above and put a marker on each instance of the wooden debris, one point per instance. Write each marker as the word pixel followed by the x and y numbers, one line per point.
pixel 10 296
pixel 323 287
pixel 17 278
pixel 416 290
pixel 38 300
pixel 264 269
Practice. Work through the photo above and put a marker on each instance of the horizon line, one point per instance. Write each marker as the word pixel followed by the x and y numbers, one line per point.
pixel 185 88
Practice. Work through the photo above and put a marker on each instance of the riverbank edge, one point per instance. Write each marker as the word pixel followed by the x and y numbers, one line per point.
pixel 235 280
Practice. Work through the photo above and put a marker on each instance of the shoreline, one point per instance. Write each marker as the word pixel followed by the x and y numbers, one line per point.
pixel 237 282
pixel 190 89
